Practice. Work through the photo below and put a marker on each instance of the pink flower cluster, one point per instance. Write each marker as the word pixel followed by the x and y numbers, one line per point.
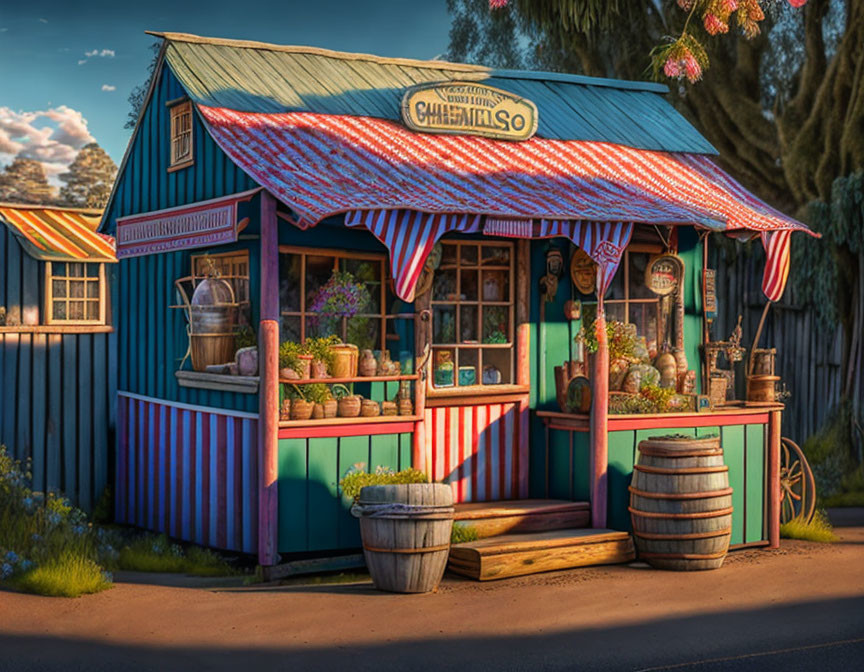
pixel 685 65
pixel 497 4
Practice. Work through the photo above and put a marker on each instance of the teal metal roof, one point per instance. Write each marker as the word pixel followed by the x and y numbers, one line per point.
pixel 258 77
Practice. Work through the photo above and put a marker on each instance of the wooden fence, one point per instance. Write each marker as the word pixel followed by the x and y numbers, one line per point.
pixel 809 356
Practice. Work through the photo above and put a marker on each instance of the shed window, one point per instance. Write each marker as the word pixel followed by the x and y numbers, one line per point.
pixel 181 135
pixel 472 315
pixel 75 293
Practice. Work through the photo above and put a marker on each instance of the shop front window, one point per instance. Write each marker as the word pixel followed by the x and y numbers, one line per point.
pixel 318 287
pixel 472 315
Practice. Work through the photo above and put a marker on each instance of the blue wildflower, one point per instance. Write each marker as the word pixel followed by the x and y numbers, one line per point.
pixel 36 538
pixel 108 576
pixel 79 529
pixel 156 548
pixel 11 557
pixel 27 502
pixel 6 571
pixel 54 518
pixel 25 565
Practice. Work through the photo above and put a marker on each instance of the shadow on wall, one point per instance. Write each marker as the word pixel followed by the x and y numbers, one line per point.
pixel 812 636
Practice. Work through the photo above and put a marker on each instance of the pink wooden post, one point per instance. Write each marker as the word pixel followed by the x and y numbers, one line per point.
pixel 774 479
pixel 268 393
pixel 600 424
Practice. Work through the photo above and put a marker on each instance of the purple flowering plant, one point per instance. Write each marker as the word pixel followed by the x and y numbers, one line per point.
pixel 341 296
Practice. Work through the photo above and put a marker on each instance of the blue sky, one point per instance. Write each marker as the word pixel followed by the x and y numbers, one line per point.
pixel 67 67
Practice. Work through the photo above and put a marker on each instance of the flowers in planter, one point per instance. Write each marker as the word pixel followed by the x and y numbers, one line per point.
pixel 341 296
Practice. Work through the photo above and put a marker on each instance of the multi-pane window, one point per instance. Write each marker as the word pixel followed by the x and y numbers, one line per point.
pixel 232 266
pixel 181 134
pixel 472 315
pixel 75 293
pixel 629 300
pixel 305 298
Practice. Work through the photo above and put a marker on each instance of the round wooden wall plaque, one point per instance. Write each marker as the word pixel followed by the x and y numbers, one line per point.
pixel 583 271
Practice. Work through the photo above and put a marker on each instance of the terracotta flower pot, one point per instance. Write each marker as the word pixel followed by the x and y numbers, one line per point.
pixel 349 407
pixel 301 410
pixel 369 408
pixel 319 369
pixel 331 407
pixel 389 408
pixel 317 412
pixel 305 366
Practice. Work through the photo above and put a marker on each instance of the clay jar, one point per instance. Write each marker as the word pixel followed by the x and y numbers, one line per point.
pixel 349 407
pixel 668 368
pixel 319 369
pixel 367 365
pixel 301 410
pixel 330 407
pixel 369 408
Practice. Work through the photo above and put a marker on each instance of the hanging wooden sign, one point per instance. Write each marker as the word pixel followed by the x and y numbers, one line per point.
pixel 663 274
pixel 583 271
pixel 709 293
pixel 469 108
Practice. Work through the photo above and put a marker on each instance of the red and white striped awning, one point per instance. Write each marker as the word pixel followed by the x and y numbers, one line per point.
pixel 777 254
pixel 322 165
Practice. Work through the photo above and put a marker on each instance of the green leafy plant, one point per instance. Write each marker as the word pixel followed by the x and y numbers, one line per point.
pixel 319 348
pixel 357 478
pixel 289 355
pixel 156 553
pixel 317 393
pixel 621 339
pixel 245 337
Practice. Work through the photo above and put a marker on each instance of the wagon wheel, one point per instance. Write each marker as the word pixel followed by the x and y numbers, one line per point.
pixel 797 486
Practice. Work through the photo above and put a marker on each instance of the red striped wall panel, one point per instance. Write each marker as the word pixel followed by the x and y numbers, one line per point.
pixel 190 472
pixel 482 451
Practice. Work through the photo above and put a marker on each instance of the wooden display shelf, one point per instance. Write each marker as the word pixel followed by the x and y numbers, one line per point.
pixel 342 422
pixel 355 379
pixel 741 415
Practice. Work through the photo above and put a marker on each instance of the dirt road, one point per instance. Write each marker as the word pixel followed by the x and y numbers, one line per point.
pixel 798 608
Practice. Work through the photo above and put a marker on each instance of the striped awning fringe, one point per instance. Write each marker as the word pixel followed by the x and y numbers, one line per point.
pixel 409 236
pixel 777 252
pixel 51 233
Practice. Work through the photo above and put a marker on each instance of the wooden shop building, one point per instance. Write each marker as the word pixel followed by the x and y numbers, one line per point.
pixel 453 224
pixel 57 348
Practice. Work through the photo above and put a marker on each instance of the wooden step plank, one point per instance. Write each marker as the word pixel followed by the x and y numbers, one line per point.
pixel 603 547
pixel 489 519
pixel 517 507
pixel 537 541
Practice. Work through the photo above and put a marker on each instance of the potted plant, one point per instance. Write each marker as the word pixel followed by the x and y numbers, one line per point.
pixel 340 297
pixel 405 524
pixel 294 362
pixel 348 403
pixel 301 407
pixel 325 405
pixel 320 350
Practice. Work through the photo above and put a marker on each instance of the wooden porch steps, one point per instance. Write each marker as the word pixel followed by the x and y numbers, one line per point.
pixel 519 554
pixel 490 519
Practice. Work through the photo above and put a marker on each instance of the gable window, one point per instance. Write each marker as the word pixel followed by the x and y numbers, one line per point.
pixel 181 135
pixel 75 293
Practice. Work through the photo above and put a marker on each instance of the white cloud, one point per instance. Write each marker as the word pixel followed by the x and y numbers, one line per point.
pixel 43 20
pixel 3 30
pixel 97 53
pixel 109 87
pixel 52 136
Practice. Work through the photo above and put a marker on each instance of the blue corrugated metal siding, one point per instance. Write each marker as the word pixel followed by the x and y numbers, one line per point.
pixel 152 336
pixel 56 391
pixel 257 79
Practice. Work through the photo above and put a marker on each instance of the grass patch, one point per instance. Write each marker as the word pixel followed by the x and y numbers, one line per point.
pixel 67 575
pixel 462 533
pixel 819 529
pixel 155 553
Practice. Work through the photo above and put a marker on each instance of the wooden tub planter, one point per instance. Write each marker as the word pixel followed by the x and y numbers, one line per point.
pixel 681 503
pixel 406 534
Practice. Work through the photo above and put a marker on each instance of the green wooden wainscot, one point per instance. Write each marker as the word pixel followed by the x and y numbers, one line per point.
pixel 294 194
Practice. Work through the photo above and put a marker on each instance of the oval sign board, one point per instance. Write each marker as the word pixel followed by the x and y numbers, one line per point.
pixel 469 108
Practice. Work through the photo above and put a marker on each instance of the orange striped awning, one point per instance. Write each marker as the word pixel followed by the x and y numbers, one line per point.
pixel 58 234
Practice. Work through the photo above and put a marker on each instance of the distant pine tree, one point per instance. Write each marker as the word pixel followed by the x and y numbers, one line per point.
pixel 89 180
pixel 23 181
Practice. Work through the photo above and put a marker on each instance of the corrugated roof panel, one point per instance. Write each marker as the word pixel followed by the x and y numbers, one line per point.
pixel 251 77
pixel 57 234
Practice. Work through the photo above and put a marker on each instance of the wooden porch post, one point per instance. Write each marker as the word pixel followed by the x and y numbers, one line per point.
pixel 268 392
pixel 600 424
pixel 773 479
pixel 523 354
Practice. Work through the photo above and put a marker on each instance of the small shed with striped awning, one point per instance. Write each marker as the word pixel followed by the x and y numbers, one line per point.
pixel 459 226
pixel 57 348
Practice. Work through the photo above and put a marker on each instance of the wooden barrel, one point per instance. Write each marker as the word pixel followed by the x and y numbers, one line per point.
pixel 406 534
pixel 681 503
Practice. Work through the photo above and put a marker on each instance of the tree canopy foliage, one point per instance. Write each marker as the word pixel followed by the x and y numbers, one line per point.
pixel 89 180
pixel 24 181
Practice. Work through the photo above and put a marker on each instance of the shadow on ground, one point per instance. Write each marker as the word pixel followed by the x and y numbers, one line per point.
pixel 820 635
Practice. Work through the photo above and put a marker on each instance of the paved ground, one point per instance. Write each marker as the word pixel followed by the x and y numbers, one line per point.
pixel 798 608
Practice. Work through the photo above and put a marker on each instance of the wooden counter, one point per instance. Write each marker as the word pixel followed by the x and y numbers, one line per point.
pixel 732 415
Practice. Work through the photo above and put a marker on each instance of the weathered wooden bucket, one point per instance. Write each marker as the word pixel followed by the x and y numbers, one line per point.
pixel 681 503
pixel 406 534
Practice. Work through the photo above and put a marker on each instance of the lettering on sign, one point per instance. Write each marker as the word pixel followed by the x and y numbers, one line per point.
pixel 710 293
pixel 664 274
pixel 197 227
pixel 469 108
